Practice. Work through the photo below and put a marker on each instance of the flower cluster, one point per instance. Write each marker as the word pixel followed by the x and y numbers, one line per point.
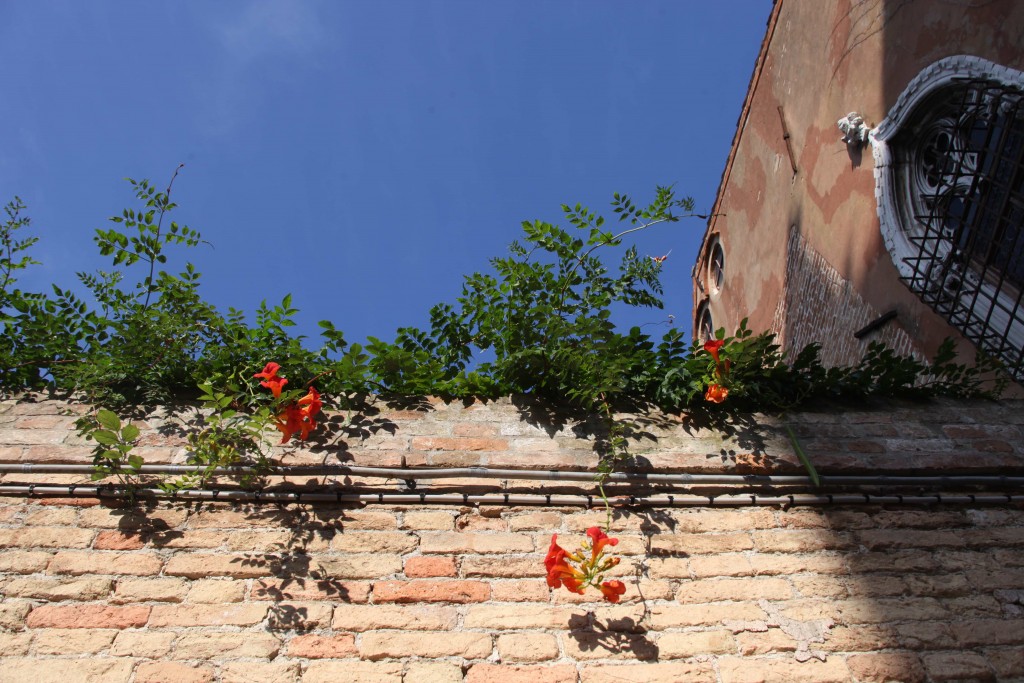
pixel 299 416
pixel 586 567
pixel 717 392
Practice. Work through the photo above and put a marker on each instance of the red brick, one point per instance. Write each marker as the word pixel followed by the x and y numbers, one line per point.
pixel 87 616
pixel 117 540
pixel 431 591
pixel 425 567
pixel 77 563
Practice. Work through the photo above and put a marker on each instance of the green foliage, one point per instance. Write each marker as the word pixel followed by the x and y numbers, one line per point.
pixel 112 455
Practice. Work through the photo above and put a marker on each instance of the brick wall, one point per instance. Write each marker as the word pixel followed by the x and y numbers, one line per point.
pixel 216 592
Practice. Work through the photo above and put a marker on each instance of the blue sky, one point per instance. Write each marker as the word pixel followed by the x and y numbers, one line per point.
pixel 365 155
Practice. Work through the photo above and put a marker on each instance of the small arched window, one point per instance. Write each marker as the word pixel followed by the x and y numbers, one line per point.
pixel 705 325
pixel 950 178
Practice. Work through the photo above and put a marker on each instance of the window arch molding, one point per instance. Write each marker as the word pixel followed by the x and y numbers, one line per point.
pixel 949 183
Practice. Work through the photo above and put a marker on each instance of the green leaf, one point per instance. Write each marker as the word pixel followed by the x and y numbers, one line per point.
pixel 105 437
pixel 130 432
pixel 108 420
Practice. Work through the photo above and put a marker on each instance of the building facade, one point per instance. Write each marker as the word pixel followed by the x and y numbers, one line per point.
pixel 875 186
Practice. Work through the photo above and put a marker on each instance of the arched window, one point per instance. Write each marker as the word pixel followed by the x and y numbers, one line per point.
pixel 950 182
pixel 705 325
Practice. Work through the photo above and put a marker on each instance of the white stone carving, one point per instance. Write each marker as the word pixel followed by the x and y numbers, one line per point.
pixel 855 132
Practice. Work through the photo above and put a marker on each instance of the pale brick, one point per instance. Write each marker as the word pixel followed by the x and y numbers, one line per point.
pixel 244 614
pixel 91 670
pixel 375 645
pixel 519 591
pixel 360 566
pixel 879 610
pixel 800 541
pixel 527 647
pixel 754 670
pixel 130 564
pixel 310 589
pixel 583 645
pixel 74 641
pixel 793 563
pixel 503 673
pixel 323 647
pixel 150 590
pixel 46 537
pixel 147 644
pixel 23 561
pixel 259 541
pixel 52 517
pixel 57 590
pixel 683 645
pixel 433 672
pixel 299 616
pixel 405 617
pixel 201 565
pixel 87 616
pixel 215 590
pixel 425 443
pixel 375 542
pixel 172 672
pixel 193 539
pixel 475 522
pixel 428 521
pixel 766 642
pixel 212 645
pixel 502 567
pixel 369 520
pixel 475 543
pixel 150 521
pixel 677 616
pixel 732 564
pixel 425 590
pixel 535 521
pixel 886 666
pixel 426 567
pixel 826 587
pixel 669 567
pixel 519 616
pixel 699 544
pixel 259 672
pixel 14 644
pixel 662 672
pixel 12 614
pixel 714 590
pixel 326 671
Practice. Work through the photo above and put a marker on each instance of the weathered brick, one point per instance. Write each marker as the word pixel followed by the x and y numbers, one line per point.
pixel 86 670
pixel 519 616
pixel 700 544
pixel 715 590
pixel 150 590
pixel 425 567
pixel 56 590
pixel 429 443
pixel 744 670
pixel 87 616
pixel 794 563
pixel 359 566
pixel 259 672
pixel 772 641
pixel 424 590
pixel 885 539
pixel 682 645
pixel 23 561
pixel 519 591
pixel 383 644
pixel 475 543
pixel 886 666
pixel 503 673
pixel 118 540
pixel 298 616
pixel 428 521
pixel 213 645
pixel 172 672
pixel 375 542
pixel 323 647
pixel 864 611
pixel 14 644
pixel 662 672
pixel 45 537
pixel 13 613
pixel 310 589
pixel 800 541
pixel 148 644
pixel 131 564
pixel 527 647
pixel 676 616
pixel 535 521
pixel 957 666
pixel 52 517
pixel 923 635
pixel 433 672
pixel 589 644
pixel 74 641
pixel 201 565
pixel 989 632
pixel 502 567
pixel 153 522
pixel 243 614
pixel 215 590
pixel 326 671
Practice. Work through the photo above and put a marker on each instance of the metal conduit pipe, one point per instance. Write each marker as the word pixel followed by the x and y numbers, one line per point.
pixel 688 500
pixel 415 473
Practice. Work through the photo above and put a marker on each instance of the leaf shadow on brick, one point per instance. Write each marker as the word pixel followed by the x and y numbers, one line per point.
pixel 135 522
pixel 624 634
pixel 290 562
